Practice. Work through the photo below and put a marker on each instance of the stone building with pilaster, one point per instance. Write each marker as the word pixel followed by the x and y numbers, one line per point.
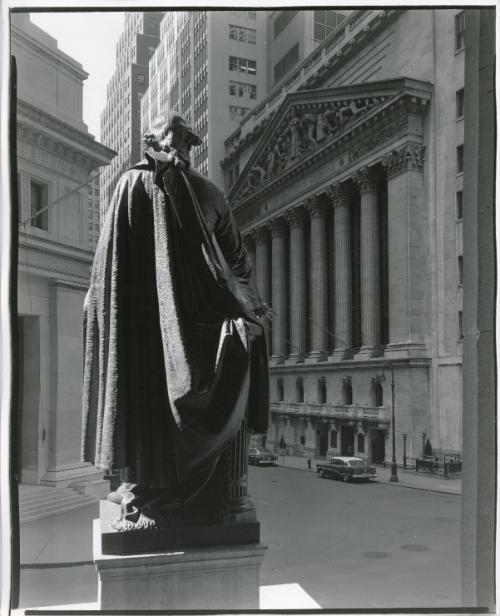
pixel 56 161
pixel 349 199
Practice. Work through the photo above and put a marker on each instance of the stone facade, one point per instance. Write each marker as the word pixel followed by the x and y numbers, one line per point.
pixel 353 165
pixel 55 159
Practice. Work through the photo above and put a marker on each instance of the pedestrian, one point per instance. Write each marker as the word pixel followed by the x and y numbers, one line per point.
pixel 170 367
pixel 309 463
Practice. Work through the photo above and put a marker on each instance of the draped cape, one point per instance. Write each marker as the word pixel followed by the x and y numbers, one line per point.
pixel 169 367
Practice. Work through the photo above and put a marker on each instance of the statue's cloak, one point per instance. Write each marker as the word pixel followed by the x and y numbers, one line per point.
pixel 169 369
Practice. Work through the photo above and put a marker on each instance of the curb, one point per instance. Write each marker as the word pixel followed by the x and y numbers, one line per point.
pixel 385 482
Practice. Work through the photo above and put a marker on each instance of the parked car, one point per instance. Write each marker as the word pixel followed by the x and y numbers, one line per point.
pixel 347 468
pixel 261 456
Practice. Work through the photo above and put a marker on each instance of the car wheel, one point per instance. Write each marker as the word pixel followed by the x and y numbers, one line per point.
pixel 346 478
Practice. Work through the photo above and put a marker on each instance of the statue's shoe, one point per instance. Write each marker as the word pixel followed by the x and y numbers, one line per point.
pixel 117 496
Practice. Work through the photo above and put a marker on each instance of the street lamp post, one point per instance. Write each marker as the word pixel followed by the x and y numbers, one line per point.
pixel 394 467
pixel 405 436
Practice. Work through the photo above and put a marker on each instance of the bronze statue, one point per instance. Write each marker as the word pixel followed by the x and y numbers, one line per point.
pixel 171 368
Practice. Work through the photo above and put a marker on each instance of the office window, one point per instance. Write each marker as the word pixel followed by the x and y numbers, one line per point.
pixel 460 269
pixel 282 20
pixel 299 388
pixel 322 390
pixel 140 79
pixel 236 113
pixel 460 158
pixel 285 64
pixel 302 439
pixel 243 35
pixel 460 325
pixel 460 204
pixel 242 65
pixel 460 31
pixel 280 390
pixel 237 88
pixel 347 391
pixel 460 103
pixel 333 439
pixel 39 203
pixel 325 23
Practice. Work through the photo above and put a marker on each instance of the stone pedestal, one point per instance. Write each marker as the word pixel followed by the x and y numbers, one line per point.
pixel 211 577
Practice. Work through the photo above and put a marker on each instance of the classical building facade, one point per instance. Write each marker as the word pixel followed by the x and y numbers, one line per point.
pixel 350 199
pixel 55 158
pixel 121 117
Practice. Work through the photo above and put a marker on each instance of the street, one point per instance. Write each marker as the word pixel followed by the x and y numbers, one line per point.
pixel 358 545
pixel 368 545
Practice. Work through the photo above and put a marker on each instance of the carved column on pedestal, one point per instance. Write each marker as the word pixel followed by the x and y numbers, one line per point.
pixel 367 182
pixel 408 252
pixel 279 282
pixel 341 197
pixel 296 219
pixel 319 281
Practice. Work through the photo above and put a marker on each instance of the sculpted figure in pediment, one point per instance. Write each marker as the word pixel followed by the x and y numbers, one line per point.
pixel 309 120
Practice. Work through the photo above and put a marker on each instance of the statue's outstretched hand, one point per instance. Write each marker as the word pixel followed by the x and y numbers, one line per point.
pixel 264 312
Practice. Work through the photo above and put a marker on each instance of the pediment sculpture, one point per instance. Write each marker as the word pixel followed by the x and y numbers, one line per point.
pixel 303 129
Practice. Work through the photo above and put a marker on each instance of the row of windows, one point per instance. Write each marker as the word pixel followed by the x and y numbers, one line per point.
pixel 243 65
pixel 237 113
pixel 460 31
pixel 285 64
pixel 282 20
pixel 325 23
pixel 377 392
pixel 237 88
pixel 243 35
pixel 247 14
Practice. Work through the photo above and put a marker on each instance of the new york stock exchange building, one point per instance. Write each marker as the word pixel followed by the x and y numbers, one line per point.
pixel 349 196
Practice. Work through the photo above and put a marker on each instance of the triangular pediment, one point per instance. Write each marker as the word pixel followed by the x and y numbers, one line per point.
pixel 308 120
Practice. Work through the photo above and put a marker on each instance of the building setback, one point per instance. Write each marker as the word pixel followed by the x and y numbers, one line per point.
pixel 56 156
pixel 350 200
pixel 121 117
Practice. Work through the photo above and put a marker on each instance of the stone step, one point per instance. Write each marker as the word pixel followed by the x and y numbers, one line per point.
pixel 36 502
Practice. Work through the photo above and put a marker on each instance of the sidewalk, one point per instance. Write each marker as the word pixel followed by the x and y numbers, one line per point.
pixel 407 478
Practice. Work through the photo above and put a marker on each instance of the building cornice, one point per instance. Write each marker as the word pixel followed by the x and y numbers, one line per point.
pixel 32 119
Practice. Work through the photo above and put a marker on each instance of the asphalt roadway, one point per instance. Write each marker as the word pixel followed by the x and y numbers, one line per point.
pixel 358 545
pixel 369 545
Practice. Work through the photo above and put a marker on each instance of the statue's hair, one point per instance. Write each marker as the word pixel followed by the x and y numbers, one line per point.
pixel 159 129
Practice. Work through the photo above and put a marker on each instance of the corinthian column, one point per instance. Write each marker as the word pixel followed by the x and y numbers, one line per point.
pixel 341 197
pixel 409 261
pixel 367 183
pixel 318 280
pixel 279 281
pixel 261 236
pixel 297 285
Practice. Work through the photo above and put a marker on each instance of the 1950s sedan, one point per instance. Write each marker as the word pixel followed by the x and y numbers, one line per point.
pixel 347 469
pixel 260 456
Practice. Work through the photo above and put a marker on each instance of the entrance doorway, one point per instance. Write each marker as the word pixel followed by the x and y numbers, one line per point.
pixel 378 446
pixel 347 441
pixel 322 440
pixel 29 398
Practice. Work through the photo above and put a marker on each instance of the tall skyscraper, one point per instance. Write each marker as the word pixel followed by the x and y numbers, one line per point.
pixel 121 119
pixel 211 66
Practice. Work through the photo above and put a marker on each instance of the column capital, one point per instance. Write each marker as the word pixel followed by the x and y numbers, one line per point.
pixel 315 207
pixel 278 226
pixel 260 234
pixel 366 179
pixel 296 216
pixel 408 158
pixel 339 194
